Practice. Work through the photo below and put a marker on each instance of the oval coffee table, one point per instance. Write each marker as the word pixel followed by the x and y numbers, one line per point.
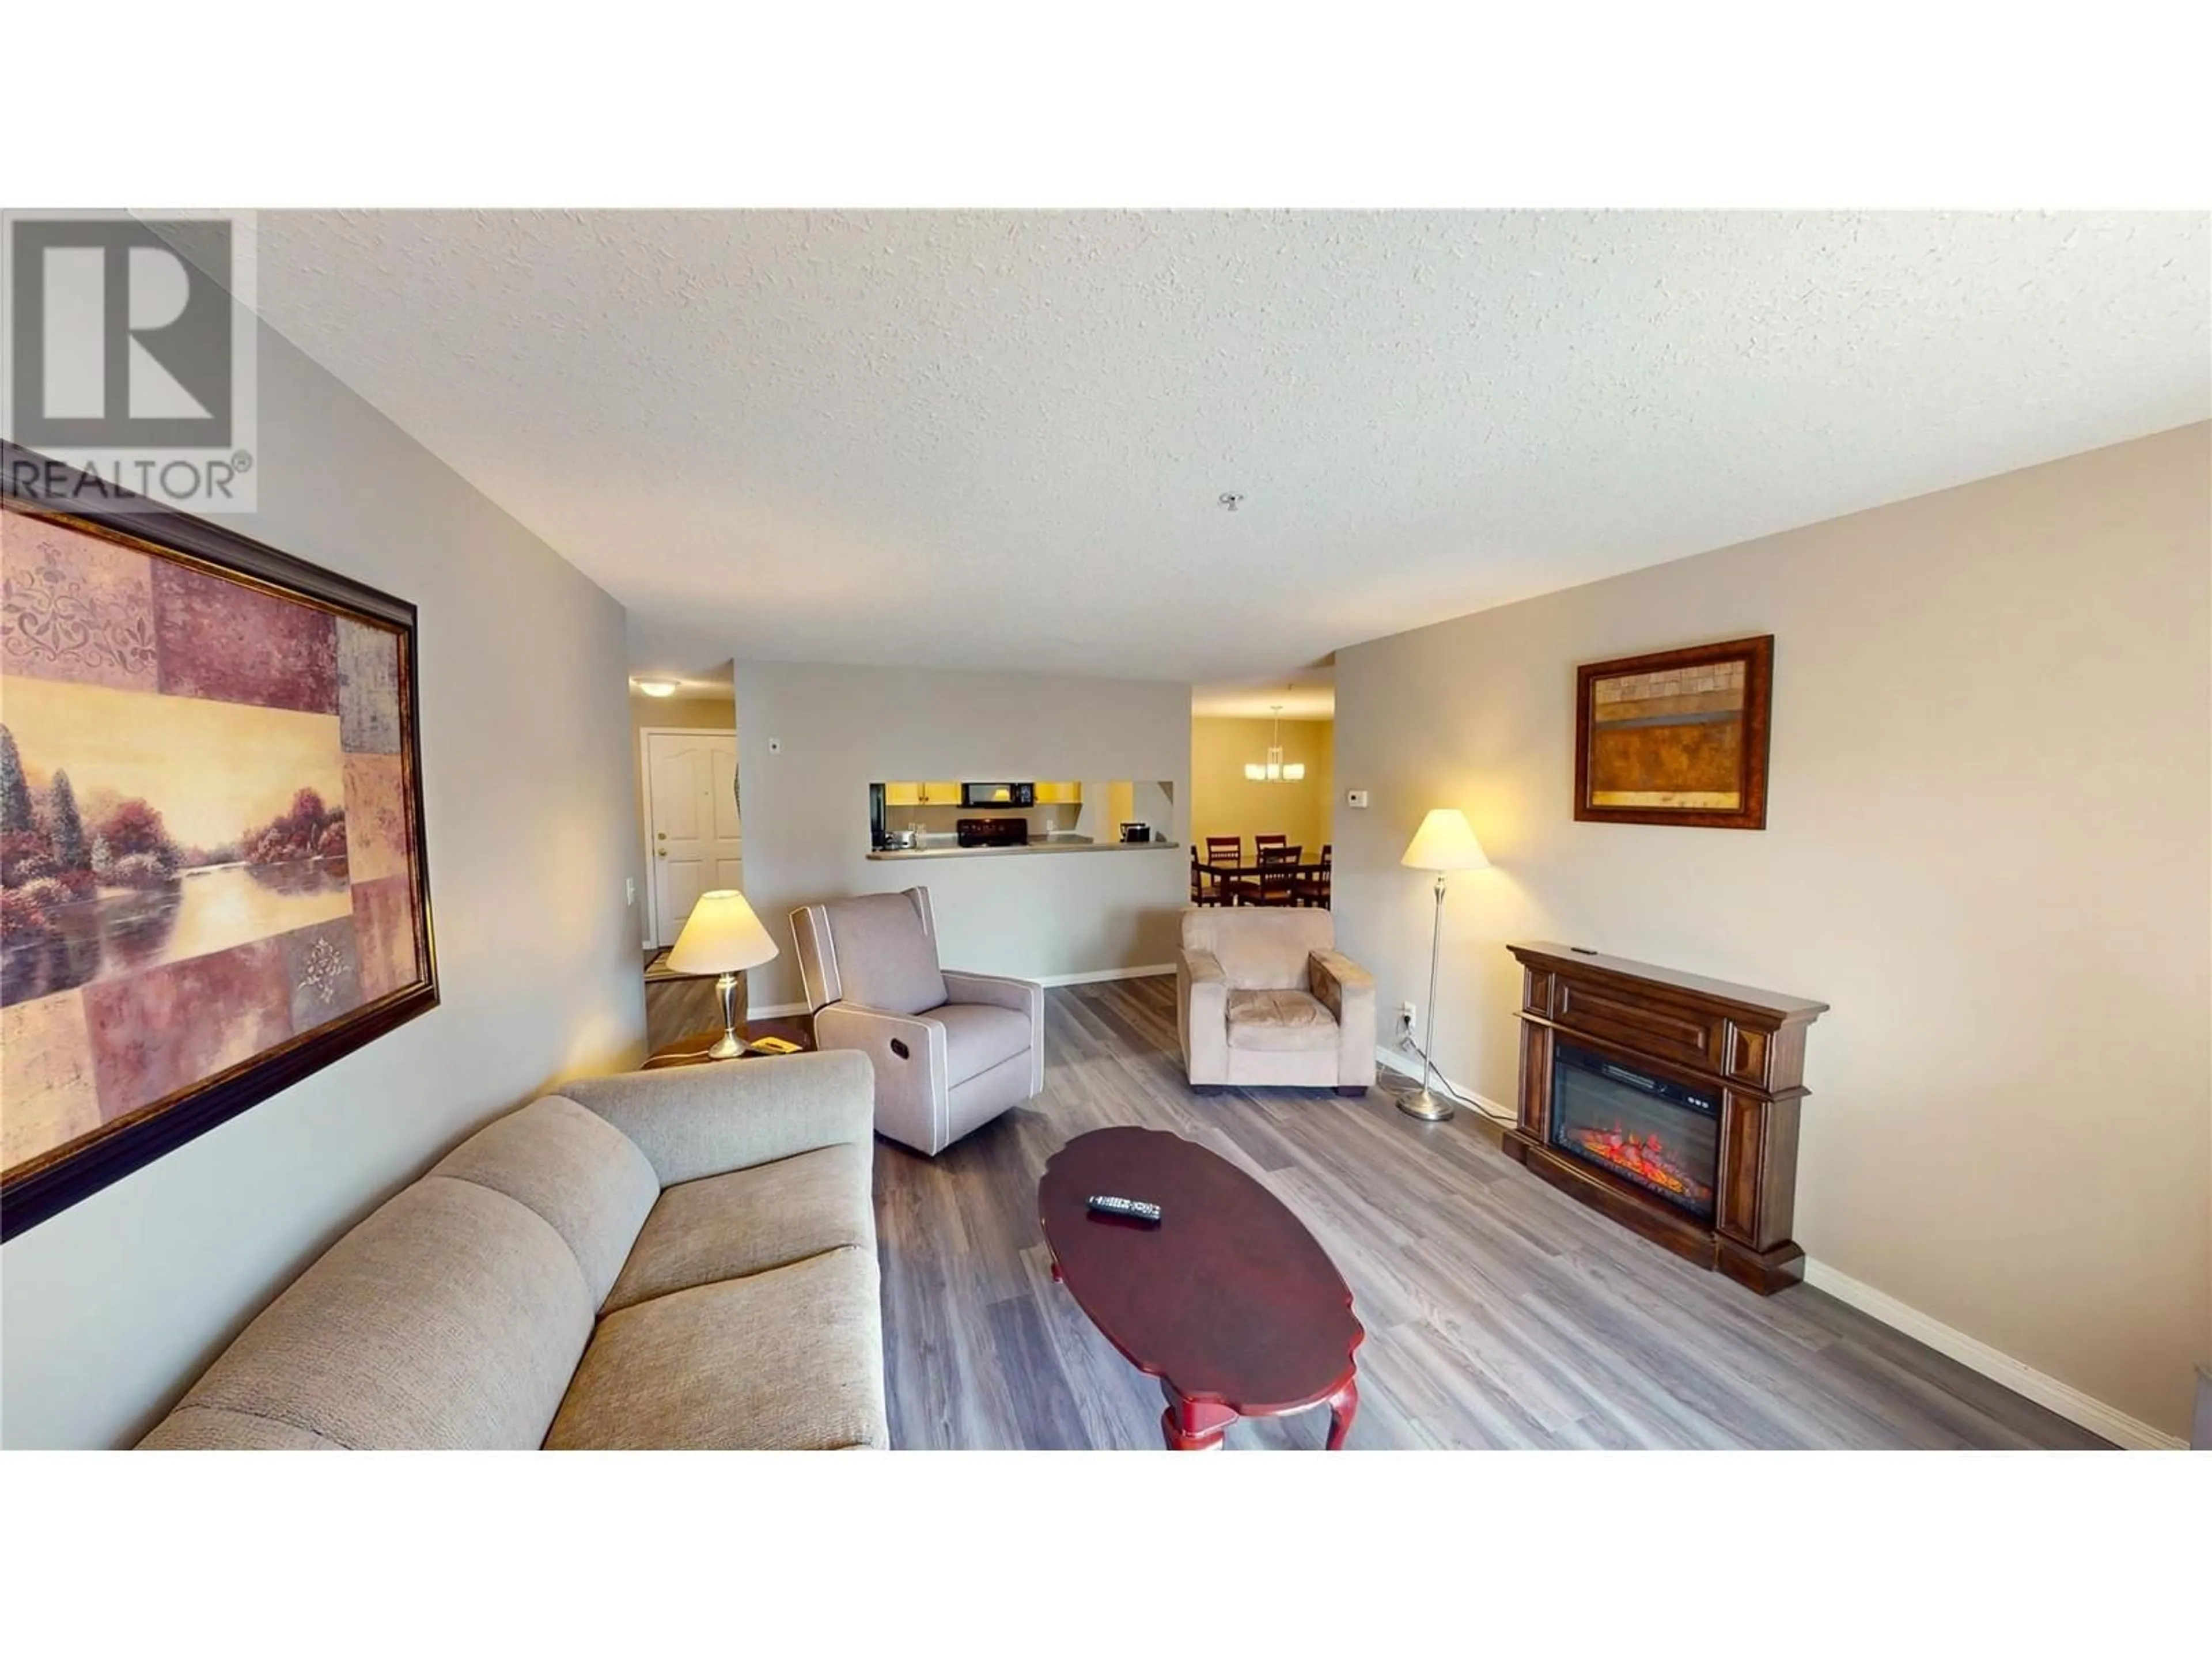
pixel 1228 1301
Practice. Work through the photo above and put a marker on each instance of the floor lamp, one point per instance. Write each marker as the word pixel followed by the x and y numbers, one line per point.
pixel 1445 843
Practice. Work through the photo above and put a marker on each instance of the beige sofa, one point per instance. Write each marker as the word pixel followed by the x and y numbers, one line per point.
pixel 1262 997
pixel 681 1258
pixel 950 1050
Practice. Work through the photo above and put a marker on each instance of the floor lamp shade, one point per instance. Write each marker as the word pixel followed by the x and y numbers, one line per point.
pixel 721 936
pixel 1445 840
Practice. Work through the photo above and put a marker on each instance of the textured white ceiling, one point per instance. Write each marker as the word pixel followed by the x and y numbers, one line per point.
pixel 1303 694
pixel 997 440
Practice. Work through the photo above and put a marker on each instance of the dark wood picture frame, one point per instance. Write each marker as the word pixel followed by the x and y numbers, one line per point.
pixel 34 485
pixel 1756 655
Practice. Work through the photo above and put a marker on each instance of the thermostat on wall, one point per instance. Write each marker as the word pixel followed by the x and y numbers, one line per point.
pixel 1355 797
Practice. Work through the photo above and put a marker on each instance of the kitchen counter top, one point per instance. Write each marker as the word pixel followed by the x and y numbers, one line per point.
pixel 1068 844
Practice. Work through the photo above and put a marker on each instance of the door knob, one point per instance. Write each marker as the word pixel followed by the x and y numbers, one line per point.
pixel 660 853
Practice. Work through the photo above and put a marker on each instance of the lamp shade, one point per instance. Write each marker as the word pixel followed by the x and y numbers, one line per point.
pixel 721 935
pixel 1445 840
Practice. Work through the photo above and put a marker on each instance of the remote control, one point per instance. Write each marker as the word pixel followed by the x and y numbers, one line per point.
pixel 1135 1208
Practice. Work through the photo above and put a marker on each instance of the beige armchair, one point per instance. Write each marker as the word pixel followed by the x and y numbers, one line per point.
pixel 1262 997
pixel 951 1050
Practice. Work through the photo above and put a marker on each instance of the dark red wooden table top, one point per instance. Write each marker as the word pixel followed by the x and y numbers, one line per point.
pixel 1228 1299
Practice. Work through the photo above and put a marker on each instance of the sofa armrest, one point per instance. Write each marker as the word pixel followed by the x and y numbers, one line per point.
pixel 696 1120
pixel 1202 1016
pixel 1347 990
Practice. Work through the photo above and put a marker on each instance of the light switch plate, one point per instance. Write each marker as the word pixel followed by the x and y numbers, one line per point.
pixel 629 890
pixel 1355 797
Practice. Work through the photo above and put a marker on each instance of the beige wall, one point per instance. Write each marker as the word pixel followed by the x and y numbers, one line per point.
pixel 691 714
pixel 108 1309
pixel 1987 847
pixel 1046 915
pixel 1225 802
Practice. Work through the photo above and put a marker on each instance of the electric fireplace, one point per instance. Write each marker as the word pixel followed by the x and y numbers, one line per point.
pixel 1668 1102
pixel 1659 1135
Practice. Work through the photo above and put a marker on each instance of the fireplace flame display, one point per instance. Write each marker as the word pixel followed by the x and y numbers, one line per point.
pixel 1645 1157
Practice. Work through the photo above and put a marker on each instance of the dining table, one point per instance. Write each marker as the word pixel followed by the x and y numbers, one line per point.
pixel 1231 879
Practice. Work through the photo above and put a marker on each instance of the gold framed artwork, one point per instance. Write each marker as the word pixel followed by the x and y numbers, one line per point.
pixel 1676 737
pixel 211 869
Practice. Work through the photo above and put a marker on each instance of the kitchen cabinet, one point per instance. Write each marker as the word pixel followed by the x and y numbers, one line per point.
pixel 1058 794
pixel 921 795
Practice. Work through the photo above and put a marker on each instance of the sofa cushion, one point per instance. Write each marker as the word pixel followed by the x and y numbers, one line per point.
pixel 790 1359
pixel 1280 1022
pixel 886 956
pixel 978 1037
pixel 451 1317
pixel 1260 948
pixel 750 1221
pixel 574 1168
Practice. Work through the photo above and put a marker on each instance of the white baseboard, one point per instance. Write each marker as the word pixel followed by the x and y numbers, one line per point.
pixel 1103 973
pixel 2069 1401
pixel 1405 1064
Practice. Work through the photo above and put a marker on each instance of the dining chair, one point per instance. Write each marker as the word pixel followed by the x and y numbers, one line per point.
pixel 1313 889
pixel 1278 874
pixel 1260 843
pixel 1225 850
pixel 1201 891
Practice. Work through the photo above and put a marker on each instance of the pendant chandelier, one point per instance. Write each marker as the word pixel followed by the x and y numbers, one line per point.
pixel 1273 769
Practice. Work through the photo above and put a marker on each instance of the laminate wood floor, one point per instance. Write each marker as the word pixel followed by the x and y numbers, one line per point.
pixel 1499 1312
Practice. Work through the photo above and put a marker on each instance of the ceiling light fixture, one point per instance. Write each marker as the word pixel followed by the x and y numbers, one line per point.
pixel 657 688
pixel 1272 770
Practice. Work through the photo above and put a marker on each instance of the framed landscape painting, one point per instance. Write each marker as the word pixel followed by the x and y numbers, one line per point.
pixel 1676 737
pixel 212 866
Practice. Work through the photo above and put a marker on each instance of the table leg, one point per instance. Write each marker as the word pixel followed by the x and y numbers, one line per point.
pixel 1343 1406
pixel 1194 1424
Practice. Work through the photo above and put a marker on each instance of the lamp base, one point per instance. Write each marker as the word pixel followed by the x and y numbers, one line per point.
pixel 732 1045
pixel 1429 1107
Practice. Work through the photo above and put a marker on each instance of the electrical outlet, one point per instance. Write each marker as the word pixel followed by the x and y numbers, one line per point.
pixel 1406 1017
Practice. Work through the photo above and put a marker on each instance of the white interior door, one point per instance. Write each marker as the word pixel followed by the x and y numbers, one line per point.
pixel 692 827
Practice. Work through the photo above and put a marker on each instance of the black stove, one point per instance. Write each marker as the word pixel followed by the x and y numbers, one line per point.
pixel 992 832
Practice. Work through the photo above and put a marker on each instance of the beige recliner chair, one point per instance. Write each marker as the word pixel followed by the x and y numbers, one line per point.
pixel 1262 997
pixel 951 1050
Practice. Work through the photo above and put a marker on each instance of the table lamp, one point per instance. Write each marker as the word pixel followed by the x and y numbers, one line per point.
pixel 1445 843
pixel 721 936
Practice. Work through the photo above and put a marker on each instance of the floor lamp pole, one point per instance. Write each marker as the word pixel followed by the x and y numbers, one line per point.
pixel 1428 1105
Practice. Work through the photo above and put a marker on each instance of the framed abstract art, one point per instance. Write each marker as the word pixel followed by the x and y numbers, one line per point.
pixel 1676 737
pixel 212 880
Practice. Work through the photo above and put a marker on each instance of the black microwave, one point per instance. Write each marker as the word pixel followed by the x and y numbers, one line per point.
pixel 998 794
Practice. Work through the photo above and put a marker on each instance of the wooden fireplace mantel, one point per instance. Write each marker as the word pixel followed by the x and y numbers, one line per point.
pixel 1747 1043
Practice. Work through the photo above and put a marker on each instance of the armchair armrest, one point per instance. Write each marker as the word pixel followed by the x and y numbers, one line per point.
pixel 1331 976
pixel 911 1086
pixel 1347 990
pixel 1025 997
pixel 1202 1016
pixel 697 1121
